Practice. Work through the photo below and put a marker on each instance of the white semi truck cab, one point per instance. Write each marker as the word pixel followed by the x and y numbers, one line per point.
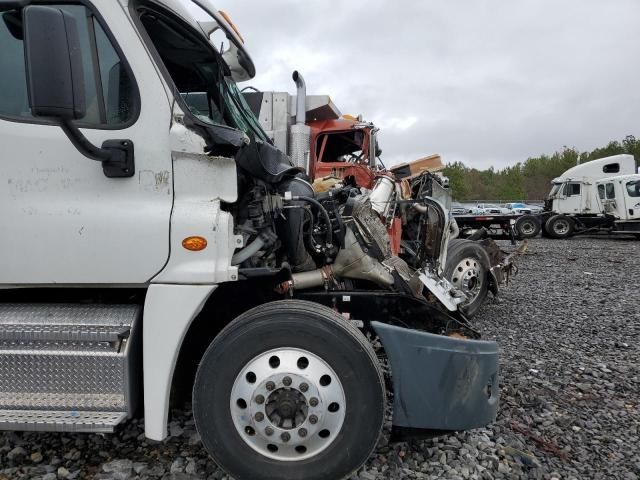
pixel 155 247
pixel 575 192
pixel 578 202
pixel 619 197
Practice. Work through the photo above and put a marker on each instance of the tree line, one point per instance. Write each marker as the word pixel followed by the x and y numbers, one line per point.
pixel 528 180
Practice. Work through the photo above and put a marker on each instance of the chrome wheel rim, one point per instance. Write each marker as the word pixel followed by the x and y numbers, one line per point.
pixel 467 276
pixel 288 404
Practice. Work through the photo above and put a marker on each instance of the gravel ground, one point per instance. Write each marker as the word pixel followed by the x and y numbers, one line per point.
pixel 568 327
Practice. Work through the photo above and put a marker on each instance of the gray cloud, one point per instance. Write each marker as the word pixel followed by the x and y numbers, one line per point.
pixel 486 82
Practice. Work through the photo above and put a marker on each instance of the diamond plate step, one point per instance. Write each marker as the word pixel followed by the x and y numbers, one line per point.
pixel 65 322
pixel 98 333
pixel 60 421
pixel 68 367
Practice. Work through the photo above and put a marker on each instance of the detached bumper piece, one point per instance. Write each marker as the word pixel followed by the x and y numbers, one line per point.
pixel 440 383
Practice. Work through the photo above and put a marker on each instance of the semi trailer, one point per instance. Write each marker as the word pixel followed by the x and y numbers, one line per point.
pixel 156 247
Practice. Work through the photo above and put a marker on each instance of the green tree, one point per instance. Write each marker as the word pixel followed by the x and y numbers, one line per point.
pixel 528 180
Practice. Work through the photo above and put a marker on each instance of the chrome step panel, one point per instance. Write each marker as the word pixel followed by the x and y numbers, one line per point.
pixel 67 367
pixel 60 421
pixel 65 322
pixel 80 333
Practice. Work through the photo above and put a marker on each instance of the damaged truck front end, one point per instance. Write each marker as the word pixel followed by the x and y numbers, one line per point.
pixel 333 248
pixel 376 256
pixel 283 311
pixel 372 259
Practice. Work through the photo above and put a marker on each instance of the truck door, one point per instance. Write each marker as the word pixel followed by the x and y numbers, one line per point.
pixel 572 198
pixel 607 193
pixel 62 219
pixel 631 192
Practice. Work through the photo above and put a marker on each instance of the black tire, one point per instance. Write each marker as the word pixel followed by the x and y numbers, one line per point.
pixel 560 226
pixel 289 324
pixel 527 226
pixel 462 250
pixel 544 233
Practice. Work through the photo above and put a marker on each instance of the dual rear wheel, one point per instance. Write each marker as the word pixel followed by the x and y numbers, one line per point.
pixel 527 226
pixel 556 226
pixel 559 226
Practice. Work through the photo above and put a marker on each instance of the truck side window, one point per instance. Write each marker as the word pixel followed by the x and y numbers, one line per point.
pixel 633 188
pixel 192 65
pixel 574 189
pixel 610 190
pixel 109 91
pixel 601 192
pixel 611 168
pixel 571 189
pixel 340 147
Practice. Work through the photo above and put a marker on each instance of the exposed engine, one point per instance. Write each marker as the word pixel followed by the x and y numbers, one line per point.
pixel 341 238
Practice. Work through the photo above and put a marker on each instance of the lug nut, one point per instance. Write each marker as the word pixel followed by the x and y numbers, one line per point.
pixel 313 402
pixel 259 416
pixel 286 381
pixel 302 432
pixel 304 387
pixel 268 431
pixel 270 386
pixel 313 419
pixel 259 399
pixel 285 437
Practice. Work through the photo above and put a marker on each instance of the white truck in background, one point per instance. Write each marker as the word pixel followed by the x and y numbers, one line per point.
pixel 602 195
pixel 156 248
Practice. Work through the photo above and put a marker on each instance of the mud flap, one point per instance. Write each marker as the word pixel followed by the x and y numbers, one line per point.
pixel 493 282
pixel 440 383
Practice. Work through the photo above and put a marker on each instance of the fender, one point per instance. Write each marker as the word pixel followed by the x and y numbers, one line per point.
pixel 168 313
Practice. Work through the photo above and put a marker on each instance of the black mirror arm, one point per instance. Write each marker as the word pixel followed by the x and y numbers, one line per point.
pixel 83 145
pixel 117 156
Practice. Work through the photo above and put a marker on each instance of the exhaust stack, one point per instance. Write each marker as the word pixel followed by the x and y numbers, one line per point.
pixel 301 98
pixel 300 134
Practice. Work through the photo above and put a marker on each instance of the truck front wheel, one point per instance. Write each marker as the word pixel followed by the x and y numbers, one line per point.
pixel 289 390
pixel 560 226
pixel 467 269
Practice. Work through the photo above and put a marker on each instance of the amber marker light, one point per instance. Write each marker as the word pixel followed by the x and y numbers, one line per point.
pixel 194 244
pixel 231 24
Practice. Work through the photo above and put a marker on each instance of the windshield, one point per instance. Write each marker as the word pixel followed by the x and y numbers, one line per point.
pixel 554 189
pixel 242 113
pixel 348 146
pixel 201 76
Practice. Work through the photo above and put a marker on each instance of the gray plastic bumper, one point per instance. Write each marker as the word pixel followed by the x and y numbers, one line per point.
pixel 440 383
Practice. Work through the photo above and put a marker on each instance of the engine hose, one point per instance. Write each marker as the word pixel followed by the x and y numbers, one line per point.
pixel 248 251
pixel 323 211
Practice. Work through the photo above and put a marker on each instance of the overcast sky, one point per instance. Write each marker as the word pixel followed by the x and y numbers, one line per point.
pixel 486 82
